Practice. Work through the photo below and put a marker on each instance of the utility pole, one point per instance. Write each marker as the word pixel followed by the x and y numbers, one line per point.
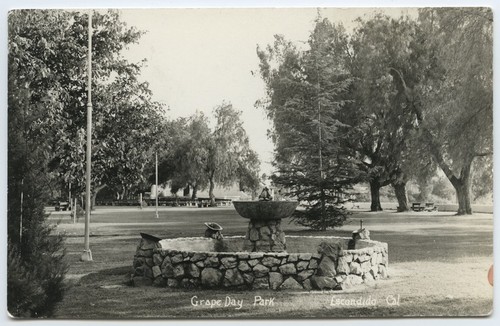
pixel 156 183
pixel 87 254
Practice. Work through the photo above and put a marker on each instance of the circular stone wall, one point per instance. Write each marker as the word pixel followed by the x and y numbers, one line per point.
pixel 310 263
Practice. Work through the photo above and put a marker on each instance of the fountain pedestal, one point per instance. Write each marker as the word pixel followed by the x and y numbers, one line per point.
pixel 264 232
pixel 265 236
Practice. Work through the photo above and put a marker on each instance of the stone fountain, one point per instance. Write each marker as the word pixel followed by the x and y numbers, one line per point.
pixel 264 232
pixel 262 259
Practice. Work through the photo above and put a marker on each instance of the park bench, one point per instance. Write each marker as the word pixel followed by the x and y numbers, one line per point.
pixel 61 206
pixel 430 207
pixel 417 207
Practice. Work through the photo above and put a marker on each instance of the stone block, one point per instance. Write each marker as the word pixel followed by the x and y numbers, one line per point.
pixel 147 245
pixel 270 261
pixel 275 280
pixel 326 267
pixel 149 262
pixel 249 278
pixel 301 265
pixel 200 264
pixel 145 253
pixel 147 271
pixel 193 271
pixel 355 268
pixel 233 277
pixel 157 259
pixel 260 283
pixel 363 258
pixel 167 270
pixel 292 258
pixel 212 261
pixel 304 275
pixel 256 255
pixel 316 256
pixel 211 277
pixel 177 259
pixel 244 267
pixel 368 277
pixel 229 262
pixel 253 262
pixel 156 271
pixel 343 265
pixel 265 232
pixel 323 282
pixel 329 249
pixel 384 260
pixel 313 264
pixel 253 234
pixel 172 283
pixel 288 269
pixel 139 261
pixel 382 271
pixel 305 256
pixel 243 256
pixel 365 267
pixel 198 257
pixel 260 270
pixel 178 271
pixel 307 284
pixel 291 284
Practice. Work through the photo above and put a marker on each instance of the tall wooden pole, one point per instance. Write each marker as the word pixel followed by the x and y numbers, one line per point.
pixel 156 183
pixel 87 254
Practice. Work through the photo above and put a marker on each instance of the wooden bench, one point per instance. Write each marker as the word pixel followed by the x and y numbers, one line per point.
pixel 417 207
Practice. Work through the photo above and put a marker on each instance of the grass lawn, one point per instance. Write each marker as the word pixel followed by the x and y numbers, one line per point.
pixel 438 266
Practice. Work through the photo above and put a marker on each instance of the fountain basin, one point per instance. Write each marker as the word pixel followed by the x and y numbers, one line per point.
pixel 312 262
pixel 265 210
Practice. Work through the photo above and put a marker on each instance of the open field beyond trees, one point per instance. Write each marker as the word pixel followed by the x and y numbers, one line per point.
pixel 438 266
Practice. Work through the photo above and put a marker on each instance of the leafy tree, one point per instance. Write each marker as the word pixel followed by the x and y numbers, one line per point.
pixel 125 118
pixel 453 110
pixel 306 93
pixel 35 263
pixel 189 156
pixel 230 158
pixel 201 158
pixel 382 127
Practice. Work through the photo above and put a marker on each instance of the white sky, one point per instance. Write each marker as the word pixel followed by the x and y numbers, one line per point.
pixel 199 57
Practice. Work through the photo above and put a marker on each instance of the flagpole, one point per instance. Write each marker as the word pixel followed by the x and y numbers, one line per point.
pixel 87 254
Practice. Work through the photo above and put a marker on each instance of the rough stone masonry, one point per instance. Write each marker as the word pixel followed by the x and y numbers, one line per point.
pixel 331 267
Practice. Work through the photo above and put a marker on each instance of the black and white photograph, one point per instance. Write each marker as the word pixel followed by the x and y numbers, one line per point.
pixel 249 163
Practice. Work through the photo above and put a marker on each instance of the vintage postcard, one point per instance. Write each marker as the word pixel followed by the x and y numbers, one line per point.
pixel 289 163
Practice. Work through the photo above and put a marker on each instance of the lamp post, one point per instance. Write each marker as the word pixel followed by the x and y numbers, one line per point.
pixel 87 254
pixel 156 183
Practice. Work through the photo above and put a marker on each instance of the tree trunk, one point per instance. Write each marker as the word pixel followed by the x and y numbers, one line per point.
pixel 195 192
pixel 323 210
pixel 462 187
pixel 94 195
pixel 400 191
pixel 211 192
pixel 375 194
pixel 186 190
